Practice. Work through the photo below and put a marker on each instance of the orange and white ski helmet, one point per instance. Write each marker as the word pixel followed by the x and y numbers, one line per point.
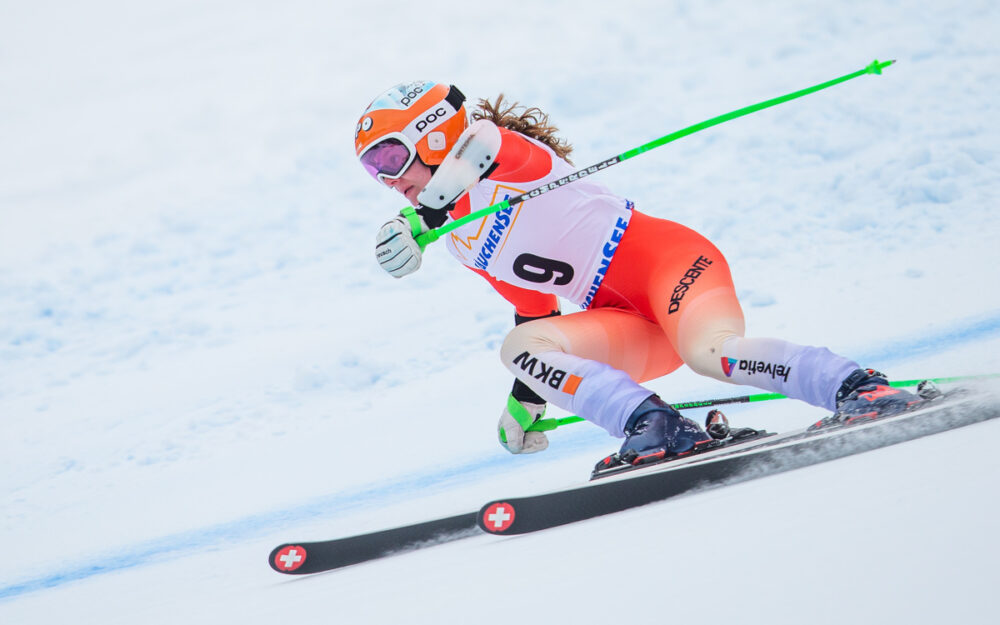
pixel 420 118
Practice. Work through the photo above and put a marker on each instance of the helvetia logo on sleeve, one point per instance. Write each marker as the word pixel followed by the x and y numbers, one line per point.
pixel 728 364
pixel 753 367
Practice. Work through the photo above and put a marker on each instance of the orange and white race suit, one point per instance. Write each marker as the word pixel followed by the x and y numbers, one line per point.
pixel 655 294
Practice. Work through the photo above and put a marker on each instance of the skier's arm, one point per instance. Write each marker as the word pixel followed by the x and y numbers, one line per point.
pixel 472 159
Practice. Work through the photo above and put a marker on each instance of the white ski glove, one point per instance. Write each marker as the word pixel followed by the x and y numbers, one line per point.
pixel 515 418
pixel 396 249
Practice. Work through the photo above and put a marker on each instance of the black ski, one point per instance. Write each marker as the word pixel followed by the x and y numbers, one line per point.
pixel 728 464
pixel 314 557
pixel 744 455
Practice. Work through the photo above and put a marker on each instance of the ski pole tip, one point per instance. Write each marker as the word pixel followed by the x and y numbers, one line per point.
pixel 876 66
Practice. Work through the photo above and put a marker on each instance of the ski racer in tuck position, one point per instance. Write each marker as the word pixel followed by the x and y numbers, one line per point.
pixel 655 294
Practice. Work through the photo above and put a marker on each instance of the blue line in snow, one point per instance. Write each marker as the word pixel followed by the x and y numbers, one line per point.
pixel 933 341
pixel 214 537
pixel 177 545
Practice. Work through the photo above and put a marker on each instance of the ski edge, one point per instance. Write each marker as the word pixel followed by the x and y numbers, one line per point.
pixel 303 558
pixel 608 496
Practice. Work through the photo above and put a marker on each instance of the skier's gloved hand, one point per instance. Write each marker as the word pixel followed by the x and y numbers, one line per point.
pixel 515 418
pixel 396 249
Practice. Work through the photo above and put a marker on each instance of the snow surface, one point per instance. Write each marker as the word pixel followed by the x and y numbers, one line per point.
pixel 200 359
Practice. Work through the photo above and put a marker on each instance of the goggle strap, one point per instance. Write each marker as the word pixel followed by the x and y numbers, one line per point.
pixel 455 97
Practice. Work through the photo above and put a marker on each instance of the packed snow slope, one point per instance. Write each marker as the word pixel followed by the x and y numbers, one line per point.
pixel 200 358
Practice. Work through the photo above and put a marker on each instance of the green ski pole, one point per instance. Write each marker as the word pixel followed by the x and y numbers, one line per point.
pixel 434 234
pixel 544 425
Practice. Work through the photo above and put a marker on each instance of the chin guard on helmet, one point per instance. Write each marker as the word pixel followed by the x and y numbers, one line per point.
pixel 471 159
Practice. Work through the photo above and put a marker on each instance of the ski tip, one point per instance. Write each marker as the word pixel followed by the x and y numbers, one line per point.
pixel 287 558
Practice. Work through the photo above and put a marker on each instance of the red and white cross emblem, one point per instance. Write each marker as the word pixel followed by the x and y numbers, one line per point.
pixel 290 558
pixel 498 517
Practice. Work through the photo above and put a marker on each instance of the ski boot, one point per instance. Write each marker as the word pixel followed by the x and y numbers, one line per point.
pixel 866 394
pixel 655 430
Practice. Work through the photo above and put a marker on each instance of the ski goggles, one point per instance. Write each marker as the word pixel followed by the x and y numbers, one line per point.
pixel 389 158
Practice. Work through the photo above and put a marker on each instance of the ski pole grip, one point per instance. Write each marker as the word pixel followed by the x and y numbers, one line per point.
pixel 544 425
pixel 426 238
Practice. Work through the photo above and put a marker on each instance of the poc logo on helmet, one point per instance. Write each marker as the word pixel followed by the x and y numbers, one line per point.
pixel 411 95
pixel 430 118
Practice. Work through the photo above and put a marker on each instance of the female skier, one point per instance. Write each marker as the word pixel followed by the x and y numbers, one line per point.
pixel 655 294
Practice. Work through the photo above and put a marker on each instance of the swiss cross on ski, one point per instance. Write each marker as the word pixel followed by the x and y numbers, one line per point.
pixel 498 517
pixel 290 558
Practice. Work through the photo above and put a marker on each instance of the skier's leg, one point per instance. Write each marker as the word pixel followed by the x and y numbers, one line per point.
pixel 707 331
pixel 713 346
pixel 691 295
pixel 591 362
